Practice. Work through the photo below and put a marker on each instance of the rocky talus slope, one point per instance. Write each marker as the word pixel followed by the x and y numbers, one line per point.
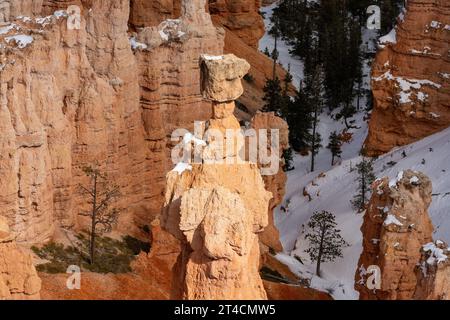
pixel 217 210
pixel 18 277
pixel 411 78
pixel 397 235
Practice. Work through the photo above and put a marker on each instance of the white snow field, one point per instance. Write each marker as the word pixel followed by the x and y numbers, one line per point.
pixel 334 193
pixel 336 189
pixel 285 59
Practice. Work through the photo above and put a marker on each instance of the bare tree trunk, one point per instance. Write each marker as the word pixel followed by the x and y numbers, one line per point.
pixel 319 258
pixel 363 195
pixel 358 96
pixel 313 144
pixel 275 58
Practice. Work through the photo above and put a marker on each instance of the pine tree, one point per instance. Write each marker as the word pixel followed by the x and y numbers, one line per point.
pixel 267 52
pixel 315 100
pixel 101 194
pixel 316 144
pixel 325 240
pixel 273 96
pixel 286 99
pixel 299 119
pixel 288 159
pixel 391 10
pixel 287 81
pixel 277 95
pixel 335 146
pixel 275 32
pixel 329 33
pixel 347 111
pixel 365 178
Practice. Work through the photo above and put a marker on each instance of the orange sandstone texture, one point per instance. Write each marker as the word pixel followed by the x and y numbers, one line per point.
pixel 240 17
pixel 151 278
pixel 411 79
pixel 276 183
pixel 70 98
pixel 433 272
pixel 396 226
pixel 217 210
pixel 279 291
pixel 18 277
pixel 241 39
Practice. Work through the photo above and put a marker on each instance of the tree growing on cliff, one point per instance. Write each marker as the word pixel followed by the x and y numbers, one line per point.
pixel 325 239
pixel 365 178
pixel 335 146
pixel 101 194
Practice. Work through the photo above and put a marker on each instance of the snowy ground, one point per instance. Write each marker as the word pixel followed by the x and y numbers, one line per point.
pixel 335 191
pixel 285 59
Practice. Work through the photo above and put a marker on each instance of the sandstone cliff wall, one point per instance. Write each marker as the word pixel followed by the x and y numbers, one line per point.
pixel 241 39
pixel 411 78
pixel 18 277
pixel 276 183
pixel 69 98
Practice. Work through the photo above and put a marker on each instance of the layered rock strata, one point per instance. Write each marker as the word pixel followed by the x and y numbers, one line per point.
pixel 411 78
pixel 241 39
pixel 275 183
pixel 74 97
pixel 69 98
pixel 169 80
pixel 240 17
pixel 217 210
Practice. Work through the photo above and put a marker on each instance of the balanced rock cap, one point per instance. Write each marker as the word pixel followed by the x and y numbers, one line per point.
pixel 221 77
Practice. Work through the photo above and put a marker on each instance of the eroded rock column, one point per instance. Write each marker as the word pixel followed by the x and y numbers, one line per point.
pixel 396 226
pixel 217 209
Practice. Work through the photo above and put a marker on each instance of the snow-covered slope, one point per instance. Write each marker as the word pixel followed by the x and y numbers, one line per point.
pixel 285 59
pixel 334 193
pixel 337 187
